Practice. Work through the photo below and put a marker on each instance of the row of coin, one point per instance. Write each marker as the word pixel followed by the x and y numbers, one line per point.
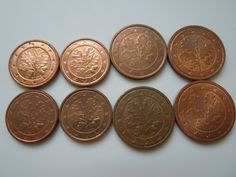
pixel 143 117
pixel 136 51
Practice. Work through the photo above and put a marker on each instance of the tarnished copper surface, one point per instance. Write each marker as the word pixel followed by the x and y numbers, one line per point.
pixel 32 116
pixel 143 117
pixel 196 53
pixel 85 114
pixel 34 63
pixel 138 51
pixel 204 111
pixel 85 62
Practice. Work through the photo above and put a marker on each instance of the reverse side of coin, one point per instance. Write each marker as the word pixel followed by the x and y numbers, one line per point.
pixel 85 114
pixel 196 53
pixel 143 117
pixel 85 62
pixel 32 116
pixel 138 51
pixel 34 63
pixel 204 111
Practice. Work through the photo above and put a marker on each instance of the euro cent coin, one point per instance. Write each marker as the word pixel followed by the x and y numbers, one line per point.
pixel 138 51
pixel 34 63
pixel 32 116
pixel 204 111
pixel 143 117
pixel 85 62
pixel 85 114
pixel 196 53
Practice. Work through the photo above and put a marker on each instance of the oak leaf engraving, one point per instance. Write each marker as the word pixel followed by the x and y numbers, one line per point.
pixel 143 117
pixel 33 63
pixel 84 63
pixel 85 114
pixel 196 53
pixel 137 51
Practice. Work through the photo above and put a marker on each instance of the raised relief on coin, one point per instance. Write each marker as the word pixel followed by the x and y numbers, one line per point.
pixel 204 111
pixel 143 117
pixel 138 51
pixel 85 62
pixel 33 63
pixel 32 116
pixel 85 114
pixel 196 52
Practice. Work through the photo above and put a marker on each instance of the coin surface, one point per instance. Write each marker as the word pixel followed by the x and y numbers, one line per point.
pixel 85 114
pixel 196 53
pixel 138 51
pixel 143 117
pixel 204 111
pixel 32 116
pixel 85 62
pixel 34 63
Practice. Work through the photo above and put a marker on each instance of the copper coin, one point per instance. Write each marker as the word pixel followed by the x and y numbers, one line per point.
pixel 85 62
pixel 138 51
pixel 32 116
pixel 204 111
pixel 143 117
pixel 196 53
pixel 34 63
pixel 85 114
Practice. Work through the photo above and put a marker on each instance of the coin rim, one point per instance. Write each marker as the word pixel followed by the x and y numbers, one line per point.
pixel 133 76
pixel 49 79
pixel 180 72
pixel 101 133
pixel 91 83
pixel 125 139
pixel 52 101
pixel 196 138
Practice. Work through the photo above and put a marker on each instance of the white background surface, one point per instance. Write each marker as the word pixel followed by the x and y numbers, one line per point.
pixel 60 22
